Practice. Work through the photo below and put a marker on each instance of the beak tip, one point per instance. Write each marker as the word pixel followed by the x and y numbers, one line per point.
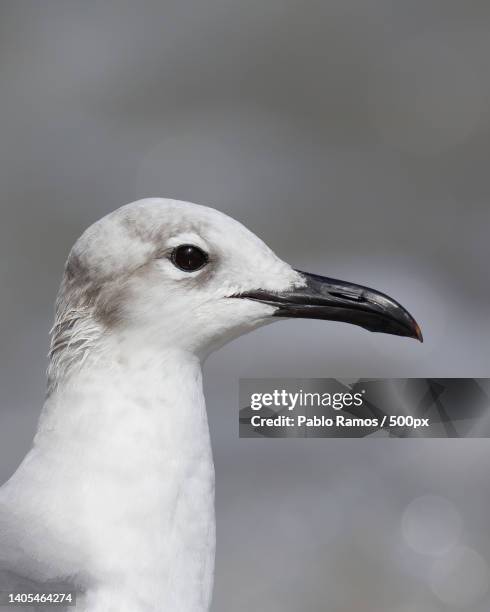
pixel 418 333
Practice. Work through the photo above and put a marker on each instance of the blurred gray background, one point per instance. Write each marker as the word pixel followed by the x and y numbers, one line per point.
pixel 354 138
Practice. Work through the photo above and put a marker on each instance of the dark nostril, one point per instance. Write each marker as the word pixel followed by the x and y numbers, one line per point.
pixel 351 297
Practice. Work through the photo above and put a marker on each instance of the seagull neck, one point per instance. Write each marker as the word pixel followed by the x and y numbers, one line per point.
pixel 119 375
pixel 126 442
pixel 123 390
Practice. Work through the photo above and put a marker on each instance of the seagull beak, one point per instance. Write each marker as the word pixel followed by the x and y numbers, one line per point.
pixel 336 300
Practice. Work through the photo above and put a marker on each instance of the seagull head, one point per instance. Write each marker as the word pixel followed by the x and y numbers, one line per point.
pixel 185 276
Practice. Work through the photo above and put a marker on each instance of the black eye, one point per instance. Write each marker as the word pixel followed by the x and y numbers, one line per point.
pixel 189 258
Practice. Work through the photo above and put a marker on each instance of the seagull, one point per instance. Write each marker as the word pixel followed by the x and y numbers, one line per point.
pixel 116 496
